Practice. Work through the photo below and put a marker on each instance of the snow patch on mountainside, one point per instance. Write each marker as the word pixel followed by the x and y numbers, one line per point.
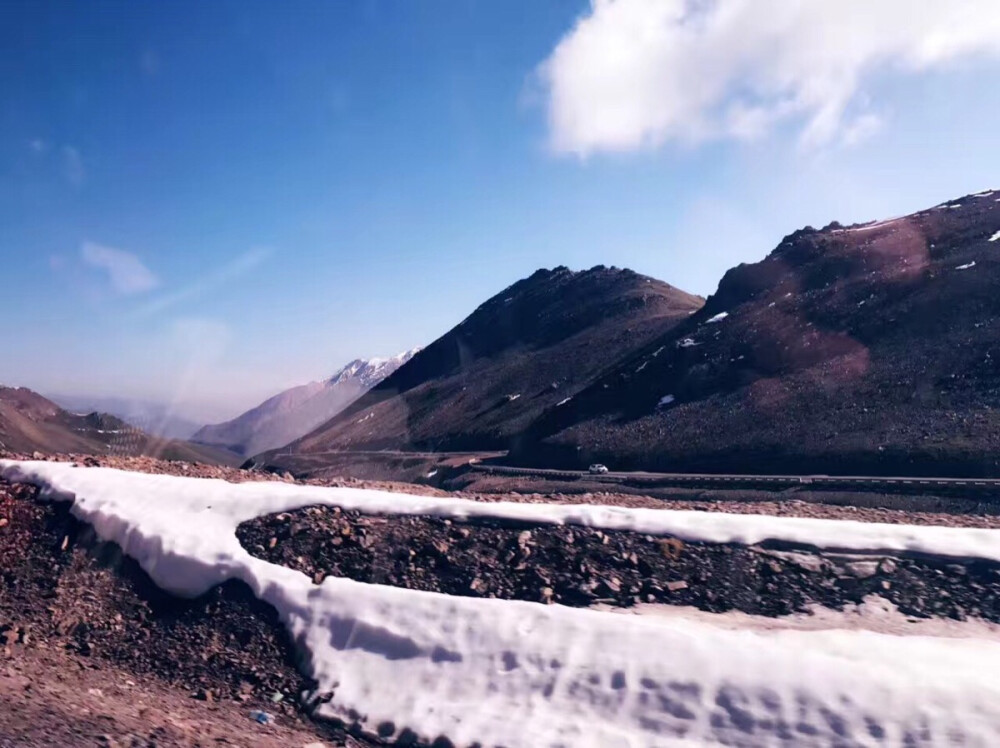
pixel 369 372
pixel 525 674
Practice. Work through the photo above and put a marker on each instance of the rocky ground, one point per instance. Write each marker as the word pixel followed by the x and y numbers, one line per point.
pixel 91 653
pixel 579 566
pixel 88 640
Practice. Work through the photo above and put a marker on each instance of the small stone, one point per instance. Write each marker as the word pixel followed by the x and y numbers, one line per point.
pixel 4 522
pixel 888 566
pixel 524 538
pixel 861 569
pixel 547 594
pixel 613 584
pixel 272 542
pixel 671 548
pixel 318 577
pixel 677 586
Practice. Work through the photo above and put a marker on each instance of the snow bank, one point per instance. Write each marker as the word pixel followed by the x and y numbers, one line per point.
pixel 526 674
pixel 995 237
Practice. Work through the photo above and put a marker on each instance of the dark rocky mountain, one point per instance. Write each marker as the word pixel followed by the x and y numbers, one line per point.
pixel 872 348
pixel 525 350
pixel 297 411
pixel 30 422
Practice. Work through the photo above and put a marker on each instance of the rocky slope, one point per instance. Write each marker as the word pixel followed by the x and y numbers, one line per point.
pixel 297 411
pixel 525 350
pixel 868 349
pixel 30 422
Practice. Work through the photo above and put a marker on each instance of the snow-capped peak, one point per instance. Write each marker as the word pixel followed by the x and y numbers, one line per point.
pixel 371 371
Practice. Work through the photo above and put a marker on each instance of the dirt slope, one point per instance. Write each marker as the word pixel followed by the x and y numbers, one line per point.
pixel 869 349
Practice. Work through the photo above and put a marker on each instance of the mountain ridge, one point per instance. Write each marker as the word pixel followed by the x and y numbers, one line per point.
pixel 292 413
pixel 30 422
pixel 870 348
pixel 528 346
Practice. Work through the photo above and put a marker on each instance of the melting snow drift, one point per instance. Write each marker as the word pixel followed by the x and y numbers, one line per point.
pixel 525 674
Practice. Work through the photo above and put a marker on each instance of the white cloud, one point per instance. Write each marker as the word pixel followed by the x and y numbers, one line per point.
pixel 228 273
pixel 861 128
pixel 125 271
pixel 73 167
pixel 634 74
pixel 37 145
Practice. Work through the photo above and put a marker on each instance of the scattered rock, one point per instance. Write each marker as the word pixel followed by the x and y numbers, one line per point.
pixel 861 569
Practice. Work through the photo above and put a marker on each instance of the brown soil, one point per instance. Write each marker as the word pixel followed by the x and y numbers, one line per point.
pixel 75 614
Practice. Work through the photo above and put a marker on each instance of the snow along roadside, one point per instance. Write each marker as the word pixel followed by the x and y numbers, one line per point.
pixel 525 674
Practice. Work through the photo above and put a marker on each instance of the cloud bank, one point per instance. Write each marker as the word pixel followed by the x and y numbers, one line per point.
pixel 635 74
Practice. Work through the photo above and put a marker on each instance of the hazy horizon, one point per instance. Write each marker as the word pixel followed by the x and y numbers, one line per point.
pixel 205 204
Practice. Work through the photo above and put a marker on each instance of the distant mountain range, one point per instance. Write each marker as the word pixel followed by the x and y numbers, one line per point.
pixel 872 348
pixel 294 412
pixel 527 349
pixel 158 419
pixel 30 423
pixel 869 348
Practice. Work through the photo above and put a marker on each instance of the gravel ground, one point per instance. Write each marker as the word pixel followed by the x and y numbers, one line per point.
pixel 51 697
pixel 580 566
pixel 74 611
pixel 91 653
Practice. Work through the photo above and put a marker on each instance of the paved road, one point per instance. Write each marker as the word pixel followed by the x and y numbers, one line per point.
pixel 895 484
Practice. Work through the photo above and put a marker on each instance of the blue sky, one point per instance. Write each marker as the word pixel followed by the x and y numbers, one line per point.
pixel 204 203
